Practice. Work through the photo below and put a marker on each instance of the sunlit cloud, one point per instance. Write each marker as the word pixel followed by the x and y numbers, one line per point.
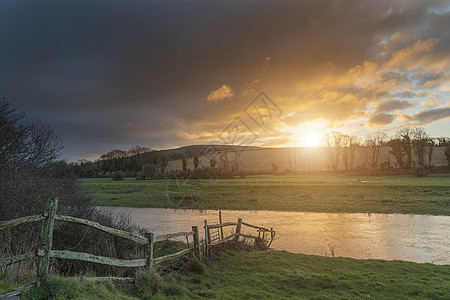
pixel 378 65
pixel 381 119
pixel 428 116
pixel 430 103
pixel 221 93
pixel 390 105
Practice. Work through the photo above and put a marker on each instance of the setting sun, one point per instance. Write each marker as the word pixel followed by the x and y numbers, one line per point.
pixel 312 139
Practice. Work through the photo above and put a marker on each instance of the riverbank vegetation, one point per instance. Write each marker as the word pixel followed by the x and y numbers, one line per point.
pixel 310 193
pixel 270 275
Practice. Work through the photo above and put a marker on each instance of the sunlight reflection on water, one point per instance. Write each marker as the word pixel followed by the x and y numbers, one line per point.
pixel 417 238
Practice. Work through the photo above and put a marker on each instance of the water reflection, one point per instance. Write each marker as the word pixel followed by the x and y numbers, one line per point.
pixel 415 238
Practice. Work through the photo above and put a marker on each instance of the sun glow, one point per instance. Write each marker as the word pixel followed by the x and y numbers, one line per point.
pixel 312 139
pixel 308 134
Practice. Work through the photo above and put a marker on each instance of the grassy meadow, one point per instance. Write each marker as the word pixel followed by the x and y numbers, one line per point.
pixel 274 275
pixel 308 193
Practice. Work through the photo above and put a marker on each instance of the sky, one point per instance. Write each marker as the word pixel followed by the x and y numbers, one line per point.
pixel 162 74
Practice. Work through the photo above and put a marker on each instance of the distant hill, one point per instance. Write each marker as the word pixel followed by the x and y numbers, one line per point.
pixel 302 159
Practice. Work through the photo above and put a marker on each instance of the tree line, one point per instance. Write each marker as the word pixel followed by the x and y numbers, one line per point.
pixel 409 147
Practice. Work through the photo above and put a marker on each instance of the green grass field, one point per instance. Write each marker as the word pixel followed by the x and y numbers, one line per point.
pixel 276 275
pixel 309 193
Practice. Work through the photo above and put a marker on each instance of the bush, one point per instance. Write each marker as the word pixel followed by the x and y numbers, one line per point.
pixel 148 281
pixel 149 170
pixel 196 266
pixel 118 176
pixel 30 174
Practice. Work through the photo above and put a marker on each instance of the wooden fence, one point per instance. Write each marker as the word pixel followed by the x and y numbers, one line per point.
pixel 45 251
pixel 216 237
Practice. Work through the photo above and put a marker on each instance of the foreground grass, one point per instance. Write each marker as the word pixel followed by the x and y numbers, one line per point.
pixel 275 275
pixel 309 193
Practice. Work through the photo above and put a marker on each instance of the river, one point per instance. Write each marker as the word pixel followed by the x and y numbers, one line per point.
pixel 417 238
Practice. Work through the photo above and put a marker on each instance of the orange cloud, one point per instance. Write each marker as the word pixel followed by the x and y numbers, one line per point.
pixel 430 103
pixel 406 55
pixel 221 93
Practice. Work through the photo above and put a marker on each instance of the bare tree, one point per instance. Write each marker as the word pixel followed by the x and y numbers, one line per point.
pixel 196 162
pixel 334 143
pixel 405 135
pixel 373 145
pixel 348 151
pixel 420 145
pixel 401 148
pixel 212 162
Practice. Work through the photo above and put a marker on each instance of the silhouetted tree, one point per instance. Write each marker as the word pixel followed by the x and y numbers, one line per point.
pixel 184 163
pixel 373 145
pixel 420 144
pixel 212 162
pixel 334 142
pixel 196 162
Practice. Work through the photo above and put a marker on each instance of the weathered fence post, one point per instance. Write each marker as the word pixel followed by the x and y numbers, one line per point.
pixel 149 253
pixel 46 239
pixel 220 221
pixel 206 238
pixel 238 229
pixel 197 250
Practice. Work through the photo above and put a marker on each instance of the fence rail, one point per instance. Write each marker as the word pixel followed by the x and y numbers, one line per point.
pixel 45 251
pixel 212 239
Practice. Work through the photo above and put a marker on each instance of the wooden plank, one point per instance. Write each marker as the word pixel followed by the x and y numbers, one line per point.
pixel 161 259
pixel 132 263
pixel 18 221
pixel 238 229
pixel 272 236
pixel 149 248
pixel 247 236
pixel 220 221
pixel 222 225
pixel 206 239
pixel 196 238
pixel 18 290
pixel 165 237
pixel 109 279
pixel 225 239
pixel 15 259
pixel 124 234
pixel 256 227
pixel 46 239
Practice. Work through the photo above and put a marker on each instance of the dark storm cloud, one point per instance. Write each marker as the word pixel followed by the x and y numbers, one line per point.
pixel 115 73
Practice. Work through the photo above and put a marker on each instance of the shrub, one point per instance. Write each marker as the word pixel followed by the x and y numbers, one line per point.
pixel 30 174
pixel 148 281
pixel 118 176
pixel 149 170
pixel 196 266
